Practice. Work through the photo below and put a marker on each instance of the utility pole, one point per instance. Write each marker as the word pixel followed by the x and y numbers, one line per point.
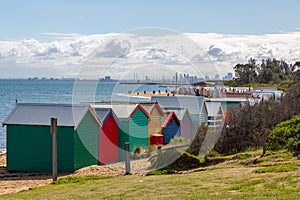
pixel 176 81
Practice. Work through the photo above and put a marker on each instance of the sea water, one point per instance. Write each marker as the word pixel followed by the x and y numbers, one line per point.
pixel 61 91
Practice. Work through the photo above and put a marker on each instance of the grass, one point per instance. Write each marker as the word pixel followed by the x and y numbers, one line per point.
pixel 279 168
pixel 232 179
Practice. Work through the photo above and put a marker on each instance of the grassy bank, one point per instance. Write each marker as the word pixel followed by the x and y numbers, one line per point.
pixel 241 176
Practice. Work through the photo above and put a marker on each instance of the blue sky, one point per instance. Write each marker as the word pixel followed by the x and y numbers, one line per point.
pixel 31 18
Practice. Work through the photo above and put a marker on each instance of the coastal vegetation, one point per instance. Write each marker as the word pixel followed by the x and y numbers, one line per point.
pixel 286 135
pixel 269 72
pixel 251 125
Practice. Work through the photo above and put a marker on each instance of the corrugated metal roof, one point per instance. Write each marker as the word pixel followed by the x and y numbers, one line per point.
pixel 213 108
pixel 177 111
pixel 180 112
pixel 40 114
pixel 103 113
pixel 193 103
pixel 122 111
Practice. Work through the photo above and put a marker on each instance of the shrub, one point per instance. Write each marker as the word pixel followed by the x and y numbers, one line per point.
pixel 137 150
pixel 286 135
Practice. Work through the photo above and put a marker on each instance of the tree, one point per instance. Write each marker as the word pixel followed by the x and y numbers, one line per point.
pixel 246 73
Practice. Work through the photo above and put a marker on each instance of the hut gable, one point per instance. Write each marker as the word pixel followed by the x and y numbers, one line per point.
pixel 214 108
pixel 154 109
pixel 171 116
pixel 170 127
pixel 214 113
pixel 104 114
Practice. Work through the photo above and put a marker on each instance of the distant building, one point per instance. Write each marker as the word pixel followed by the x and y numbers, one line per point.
pixel 107 78
pixel 229 76
pixel 217 77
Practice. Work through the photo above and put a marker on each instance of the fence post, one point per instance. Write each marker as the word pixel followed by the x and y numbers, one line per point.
pixel 127 158
pixel 54 148
pixel 159 158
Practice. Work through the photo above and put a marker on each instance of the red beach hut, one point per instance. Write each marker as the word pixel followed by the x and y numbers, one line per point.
pixel 108 136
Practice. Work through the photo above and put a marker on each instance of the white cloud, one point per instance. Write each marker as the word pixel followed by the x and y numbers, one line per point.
pixel 211 53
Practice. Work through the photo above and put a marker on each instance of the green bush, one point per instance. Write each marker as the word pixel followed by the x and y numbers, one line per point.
pixel 286 135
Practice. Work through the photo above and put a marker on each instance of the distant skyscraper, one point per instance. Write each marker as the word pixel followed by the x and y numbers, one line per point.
pixel 229 76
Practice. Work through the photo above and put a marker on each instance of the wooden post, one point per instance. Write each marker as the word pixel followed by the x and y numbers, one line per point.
pixel 54 148
pixel 159 158
pixel 127 158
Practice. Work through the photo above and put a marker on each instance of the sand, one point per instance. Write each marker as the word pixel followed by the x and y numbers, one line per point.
pixel 13 182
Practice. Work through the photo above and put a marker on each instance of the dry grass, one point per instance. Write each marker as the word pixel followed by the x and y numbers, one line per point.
pixel 232 179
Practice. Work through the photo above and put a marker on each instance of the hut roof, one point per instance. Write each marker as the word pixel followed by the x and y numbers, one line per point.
pixel 193 103
pixel 180 112
pixel 149 107
pixel 123 111
pixel 40 114
pixel 103 114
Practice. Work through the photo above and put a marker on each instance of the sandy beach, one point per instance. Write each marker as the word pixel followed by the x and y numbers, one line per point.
pixel 14 182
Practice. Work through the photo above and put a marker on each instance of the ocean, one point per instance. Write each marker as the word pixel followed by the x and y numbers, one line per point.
pixel 61 91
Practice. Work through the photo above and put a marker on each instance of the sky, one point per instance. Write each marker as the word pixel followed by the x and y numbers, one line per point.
pixel 32 18
pixel 54 38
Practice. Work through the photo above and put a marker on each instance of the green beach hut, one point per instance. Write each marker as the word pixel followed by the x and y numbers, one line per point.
pixel 29 141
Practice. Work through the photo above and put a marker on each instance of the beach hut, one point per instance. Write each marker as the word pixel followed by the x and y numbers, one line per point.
pixel 186 129
pixel 195 105
pixel 229 104
pixel 29 141
pixel 185 118
pixel 170 127
pixel 214 114
pixel 108 135
pixel 133 128
pixel 155 123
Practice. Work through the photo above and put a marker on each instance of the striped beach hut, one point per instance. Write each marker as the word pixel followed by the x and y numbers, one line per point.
pixel 29 141
pixel 156 114
pixel 108 135
pixel 170 127
pixel 195 105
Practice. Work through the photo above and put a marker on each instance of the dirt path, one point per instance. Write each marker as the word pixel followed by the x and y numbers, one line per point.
pixel 13 182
